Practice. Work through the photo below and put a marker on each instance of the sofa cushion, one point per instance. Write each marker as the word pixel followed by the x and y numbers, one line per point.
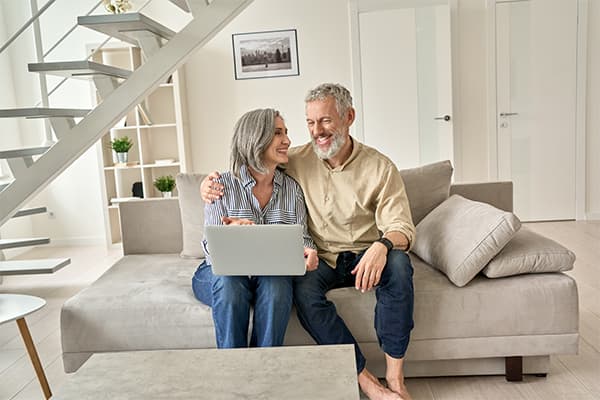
pixel 426 187
pixel 460 236
pixel 529 252
pixel 192 214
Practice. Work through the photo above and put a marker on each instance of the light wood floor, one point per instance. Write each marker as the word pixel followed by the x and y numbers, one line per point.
pixel 574 377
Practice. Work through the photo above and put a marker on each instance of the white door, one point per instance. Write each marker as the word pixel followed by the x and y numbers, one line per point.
pixel 406 83
pixel 536 49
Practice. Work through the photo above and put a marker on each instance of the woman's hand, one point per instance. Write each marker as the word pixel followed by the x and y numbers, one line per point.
pixel 311 260
pixel 211 190
pixel 236 221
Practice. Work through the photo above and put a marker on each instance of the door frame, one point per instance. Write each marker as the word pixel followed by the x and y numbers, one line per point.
pixel 354 8
pixel 580 102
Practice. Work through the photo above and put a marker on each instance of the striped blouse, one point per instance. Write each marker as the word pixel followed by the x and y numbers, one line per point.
pixel 286 205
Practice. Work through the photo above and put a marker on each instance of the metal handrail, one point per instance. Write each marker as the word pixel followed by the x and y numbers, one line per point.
pixel 70 31
pixel 26 25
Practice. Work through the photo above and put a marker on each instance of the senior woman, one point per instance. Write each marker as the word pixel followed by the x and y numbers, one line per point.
pixel 256 192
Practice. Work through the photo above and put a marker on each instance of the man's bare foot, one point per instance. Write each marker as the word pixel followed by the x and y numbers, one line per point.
pixel 397 386
pixel 373 389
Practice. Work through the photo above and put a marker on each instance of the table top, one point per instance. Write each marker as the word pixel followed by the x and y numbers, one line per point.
pixel 15 306
pixel 288 372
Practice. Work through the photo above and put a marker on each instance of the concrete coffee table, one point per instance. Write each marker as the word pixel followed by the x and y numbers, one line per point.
pixel 289 372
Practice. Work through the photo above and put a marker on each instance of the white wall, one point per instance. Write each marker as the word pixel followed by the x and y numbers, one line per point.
pixel 10 137
pixel 593 112
pixel 216 100
pixel 74 197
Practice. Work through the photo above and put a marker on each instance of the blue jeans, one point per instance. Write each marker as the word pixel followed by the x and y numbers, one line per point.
pixel 393 312
pixel 231 298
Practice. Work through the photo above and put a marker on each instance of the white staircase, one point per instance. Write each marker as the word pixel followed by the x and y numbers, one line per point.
pixel 165 51
pixel 26 267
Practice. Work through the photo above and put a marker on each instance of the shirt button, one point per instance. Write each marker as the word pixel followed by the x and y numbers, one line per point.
pixel 326 198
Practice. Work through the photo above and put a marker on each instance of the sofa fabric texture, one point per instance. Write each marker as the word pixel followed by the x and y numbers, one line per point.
pixel 146 302
pixel 529 252
pixel 192 214
pixel 460 236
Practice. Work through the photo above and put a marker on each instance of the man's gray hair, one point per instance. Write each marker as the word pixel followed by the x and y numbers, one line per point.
pixel 252 134
pixel 343 99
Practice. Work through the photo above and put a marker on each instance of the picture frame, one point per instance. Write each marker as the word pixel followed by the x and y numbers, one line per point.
pixel 266 54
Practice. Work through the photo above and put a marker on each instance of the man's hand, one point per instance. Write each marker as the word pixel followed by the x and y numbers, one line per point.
pixel 211 190
pixel 311 260
pixel 369 268
pixel 236 221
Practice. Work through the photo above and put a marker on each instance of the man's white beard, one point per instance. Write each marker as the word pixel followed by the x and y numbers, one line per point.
pixel 336 145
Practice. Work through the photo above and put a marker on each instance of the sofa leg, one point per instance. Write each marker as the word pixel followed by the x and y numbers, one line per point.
pixel 514 369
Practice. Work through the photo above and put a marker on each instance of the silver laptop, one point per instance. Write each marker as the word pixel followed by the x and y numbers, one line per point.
pixel 256 249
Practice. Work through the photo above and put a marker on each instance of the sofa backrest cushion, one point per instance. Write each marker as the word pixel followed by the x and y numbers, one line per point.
pixel 427 187
pixel 527 253
pixel 192 214
pixel 460 236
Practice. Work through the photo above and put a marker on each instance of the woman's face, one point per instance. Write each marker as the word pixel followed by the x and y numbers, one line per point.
pixel 276 152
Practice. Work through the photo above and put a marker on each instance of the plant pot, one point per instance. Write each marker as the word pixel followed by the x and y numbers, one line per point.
pixel 167 195
pixel 122 157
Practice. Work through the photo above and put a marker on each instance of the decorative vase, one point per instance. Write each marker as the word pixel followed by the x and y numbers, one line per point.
pixel 122 158
pixel 167 195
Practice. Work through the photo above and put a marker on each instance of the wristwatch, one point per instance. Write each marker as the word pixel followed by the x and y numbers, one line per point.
pixel 386 242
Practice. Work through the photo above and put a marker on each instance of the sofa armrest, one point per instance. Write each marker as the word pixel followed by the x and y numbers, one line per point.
pixel 498 194
pixel 151 226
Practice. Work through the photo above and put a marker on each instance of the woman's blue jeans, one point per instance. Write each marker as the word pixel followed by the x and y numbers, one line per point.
pixel 393 312
pixel 231 298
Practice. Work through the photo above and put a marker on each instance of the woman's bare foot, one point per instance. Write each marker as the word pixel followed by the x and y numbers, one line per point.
pixel 373 389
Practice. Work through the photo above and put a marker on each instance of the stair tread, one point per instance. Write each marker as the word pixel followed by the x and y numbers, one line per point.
pixel 39 266
pixel 118 25
pixel 30 211
pixel 83 69
pixel 24 152
pixel 22 242
pixel 42 112
pixel 181 4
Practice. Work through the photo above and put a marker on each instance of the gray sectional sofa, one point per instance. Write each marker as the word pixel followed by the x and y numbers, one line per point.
pixel 488 326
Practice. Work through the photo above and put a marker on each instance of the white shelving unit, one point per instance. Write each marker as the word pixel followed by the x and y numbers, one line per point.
pixel 158 128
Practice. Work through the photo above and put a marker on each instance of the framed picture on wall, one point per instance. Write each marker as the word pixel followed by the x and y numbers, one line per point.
pixel 265 54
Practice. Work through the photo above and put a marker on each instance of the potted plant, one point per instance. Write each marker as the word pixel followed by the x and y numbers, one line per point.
pixel 165 184
pixel 121 146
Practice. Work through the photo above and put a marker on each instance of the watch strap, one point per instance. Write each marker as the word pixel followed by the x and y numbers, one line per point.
pixel 386 242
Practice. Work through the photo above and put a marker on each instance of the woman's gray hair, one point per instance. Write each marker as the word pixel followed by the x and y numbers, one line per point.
pixel 341 95
pixel 252 135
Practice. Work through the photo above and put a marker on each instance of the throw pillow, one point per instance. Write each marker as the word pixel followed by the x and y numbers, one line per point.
pixel 191 206
pixel 460 236
pixel 529 252
pixel 426 187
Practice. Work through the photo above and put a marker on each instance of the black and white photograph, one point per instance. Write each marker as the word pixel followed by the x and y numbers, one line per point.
pixel 265 54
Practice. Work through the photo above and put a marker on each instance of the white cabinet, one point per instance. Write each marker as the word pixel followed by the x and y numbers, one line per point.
pixel 158 129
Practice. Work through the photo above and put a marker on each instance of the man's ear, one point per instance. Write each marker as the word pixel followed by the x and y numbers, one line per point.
pixel 350 116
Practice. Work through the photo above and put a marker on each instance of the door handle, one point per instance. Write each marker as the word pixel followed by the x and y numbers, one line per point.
pixel 508 114
pixel 444 117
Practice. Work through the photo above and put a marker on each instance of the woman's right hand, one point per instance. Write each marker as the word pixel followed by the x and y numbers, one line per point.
pixel 311 259
pixel 236 221
pixel 210 189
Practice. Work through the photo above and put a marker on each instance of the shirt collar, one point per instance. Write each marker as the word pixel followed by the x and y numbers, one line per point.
pixel 248 180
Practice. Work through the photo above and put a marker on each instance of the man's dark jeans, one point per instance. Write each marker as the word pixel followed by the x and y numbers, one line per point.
pixel 393 312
